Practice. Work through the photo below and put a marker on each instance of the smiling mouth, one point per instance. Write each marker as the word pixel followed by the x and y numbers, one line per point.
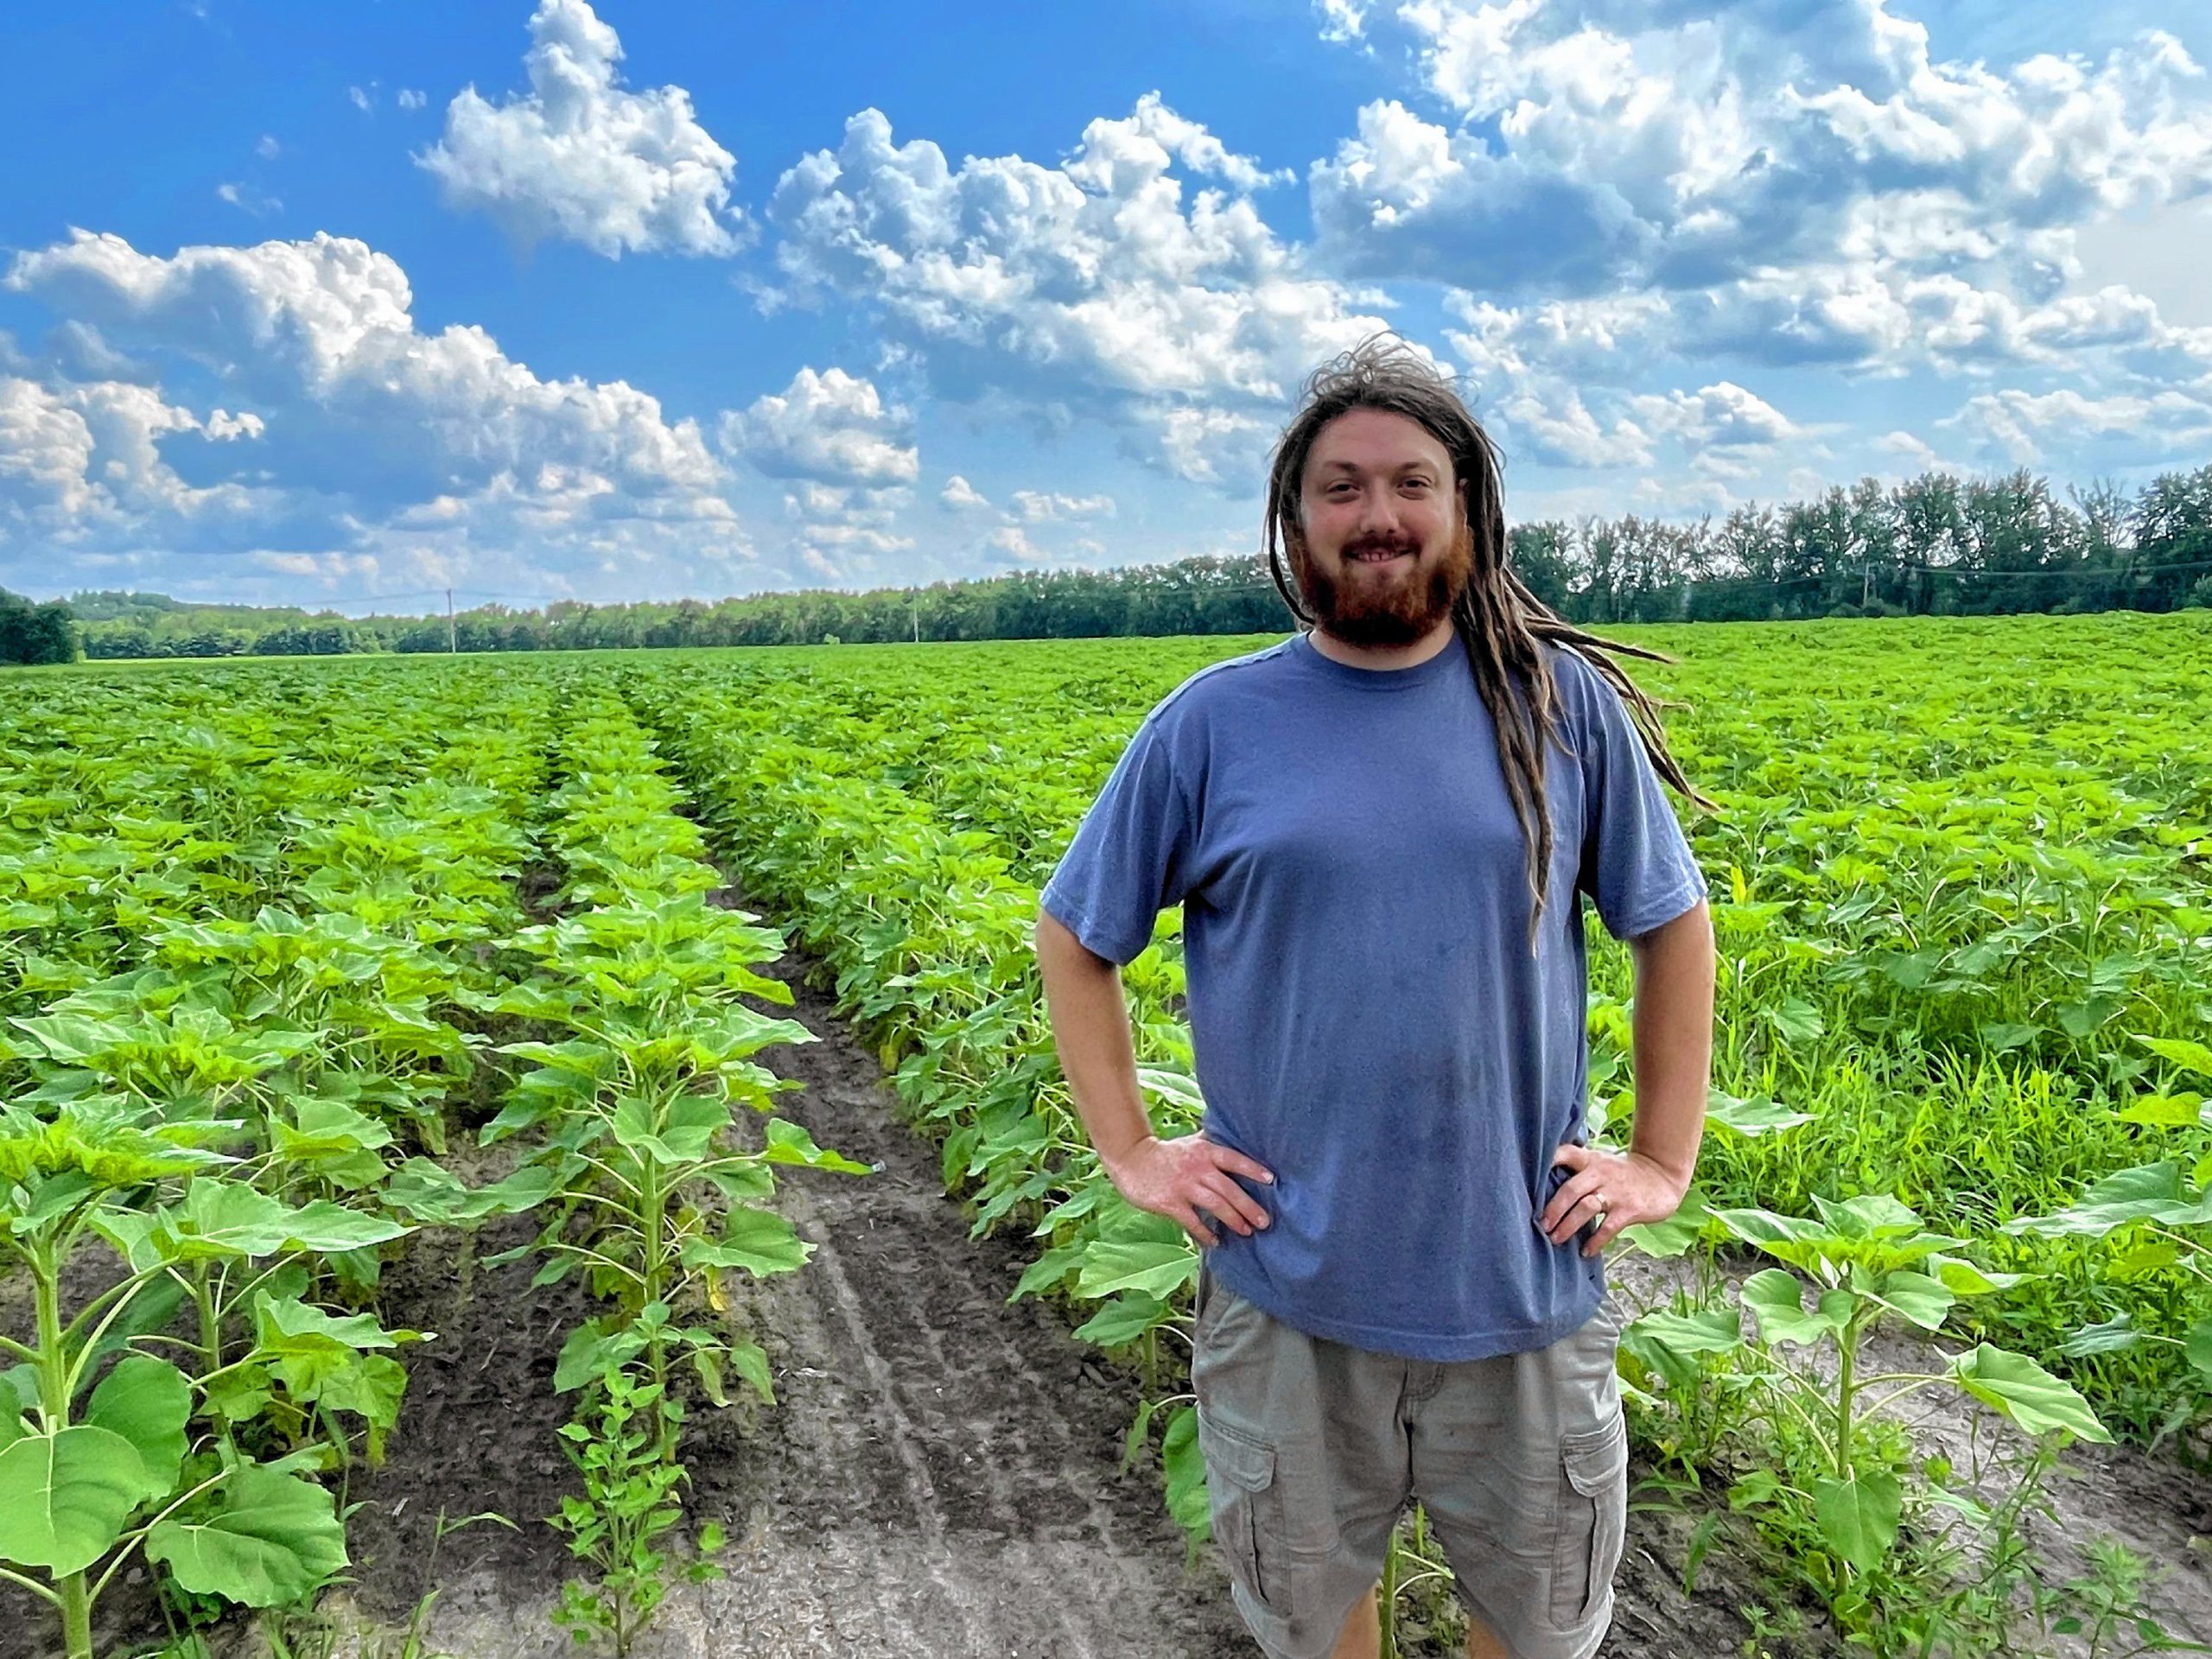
pixel 1378 556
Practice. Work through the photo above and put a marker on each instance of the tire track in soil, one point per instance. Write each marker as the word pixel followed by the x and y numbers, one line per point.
pixel 940 1475
pixel 937 1480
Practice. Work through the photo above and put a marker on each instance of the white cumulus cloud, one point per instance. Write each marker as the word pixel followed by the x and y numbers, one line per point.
pixel 1722 416
pixel 339 418
pixel 1040 506
pixel 1009 544
pixel 580 156
pixel 831 426
pixel 845 532
pixel 1102 286
pixel 958 493
pixel 2024 427
pixel 82 466
pixel 1342 19
pixel 1597 143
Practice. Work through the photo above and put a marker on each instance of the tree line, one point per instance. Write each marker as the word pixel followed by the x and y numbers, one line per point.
pixel 1937 544
pixel 31 632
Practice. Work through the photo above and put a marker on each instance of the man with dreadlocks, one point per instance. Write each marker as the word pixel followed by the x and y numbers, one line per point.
pixel 1380 833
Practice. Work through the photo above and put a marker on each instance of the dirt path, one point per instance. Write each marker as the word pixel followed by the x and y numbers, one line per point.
pixel 939 1478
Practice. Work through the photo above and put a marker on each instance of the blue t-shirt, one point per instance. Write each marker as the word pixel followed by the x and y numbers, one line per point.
pixel 1368 1018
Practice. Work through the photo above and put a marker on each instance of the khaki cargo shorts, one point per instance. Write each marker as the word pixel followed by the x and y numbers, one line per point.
pixel 1312 1448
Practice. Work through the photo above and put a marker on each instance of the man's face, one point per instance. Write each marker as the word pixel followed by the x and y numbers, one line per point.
pixel 1385 549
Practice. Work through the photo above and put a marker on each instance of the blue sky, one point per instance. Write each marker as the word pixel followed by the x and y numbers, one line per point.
pixel 335 303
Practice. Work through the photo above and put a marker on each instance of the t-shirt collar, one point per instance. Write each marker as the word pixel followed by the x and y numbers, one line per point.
pixel 1380 679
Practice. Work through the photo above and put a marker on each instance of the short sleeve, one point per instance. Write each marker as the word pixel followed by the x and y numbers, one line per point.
pixel 1130 854
pixel 1636 864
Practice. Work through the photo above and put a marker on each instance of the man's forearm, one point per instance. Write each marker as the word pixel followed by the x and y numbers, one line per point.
pixel 1090 1028
pixel 1673 1040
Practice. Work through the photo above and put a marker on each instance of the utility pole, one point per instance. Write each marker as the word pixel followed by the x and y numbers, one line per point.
pixel 452 648
pixel 917 619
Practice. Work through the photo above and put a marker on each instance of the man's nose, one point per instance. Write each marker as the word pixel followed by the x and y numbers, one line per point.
pixel 1379 515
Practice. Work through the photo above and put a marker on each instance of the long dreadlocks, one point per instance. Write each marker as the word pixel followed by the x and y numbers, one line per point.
pixel 1499 623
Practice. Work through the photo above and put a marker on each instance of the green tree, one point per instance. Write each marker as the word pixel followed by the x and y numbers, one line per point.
pixel 32 632
pixel 2173 538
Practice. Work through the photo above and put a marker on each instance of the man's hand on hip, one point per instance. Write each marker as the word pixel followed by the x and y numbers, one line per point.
pixel 1627 1188
pixel 1177 1178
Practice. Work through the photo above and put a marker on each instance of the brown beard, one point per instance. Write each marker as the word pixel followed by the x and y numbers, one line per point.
pixel 1397 615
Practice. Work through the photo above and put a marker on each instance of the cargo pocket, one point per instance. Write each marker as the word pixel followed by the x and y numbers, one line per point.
pixel 1592 1520
pixel 1244 1505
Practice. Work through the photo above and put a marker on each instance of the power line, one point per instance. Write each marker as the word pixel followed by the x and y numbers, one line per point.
pixel 2129 569
pixel 439 593
pixel 2130 572
pixel 2113 573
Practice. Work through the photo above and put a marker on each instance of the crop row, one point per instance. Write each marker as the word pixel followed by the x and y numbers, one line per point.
pixel 622 1118
pixel 237 1038
pixel 263 956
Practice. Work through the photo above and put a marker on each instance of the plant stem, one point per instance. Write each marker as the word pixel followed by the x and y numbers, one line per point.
pixel 654 1202
pixel 1386 1601
pixel 53 1354
pixel 211 1327
pixel 76 1618
pixel 1847 1388
pixel 54 1405
pixel 210 1343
